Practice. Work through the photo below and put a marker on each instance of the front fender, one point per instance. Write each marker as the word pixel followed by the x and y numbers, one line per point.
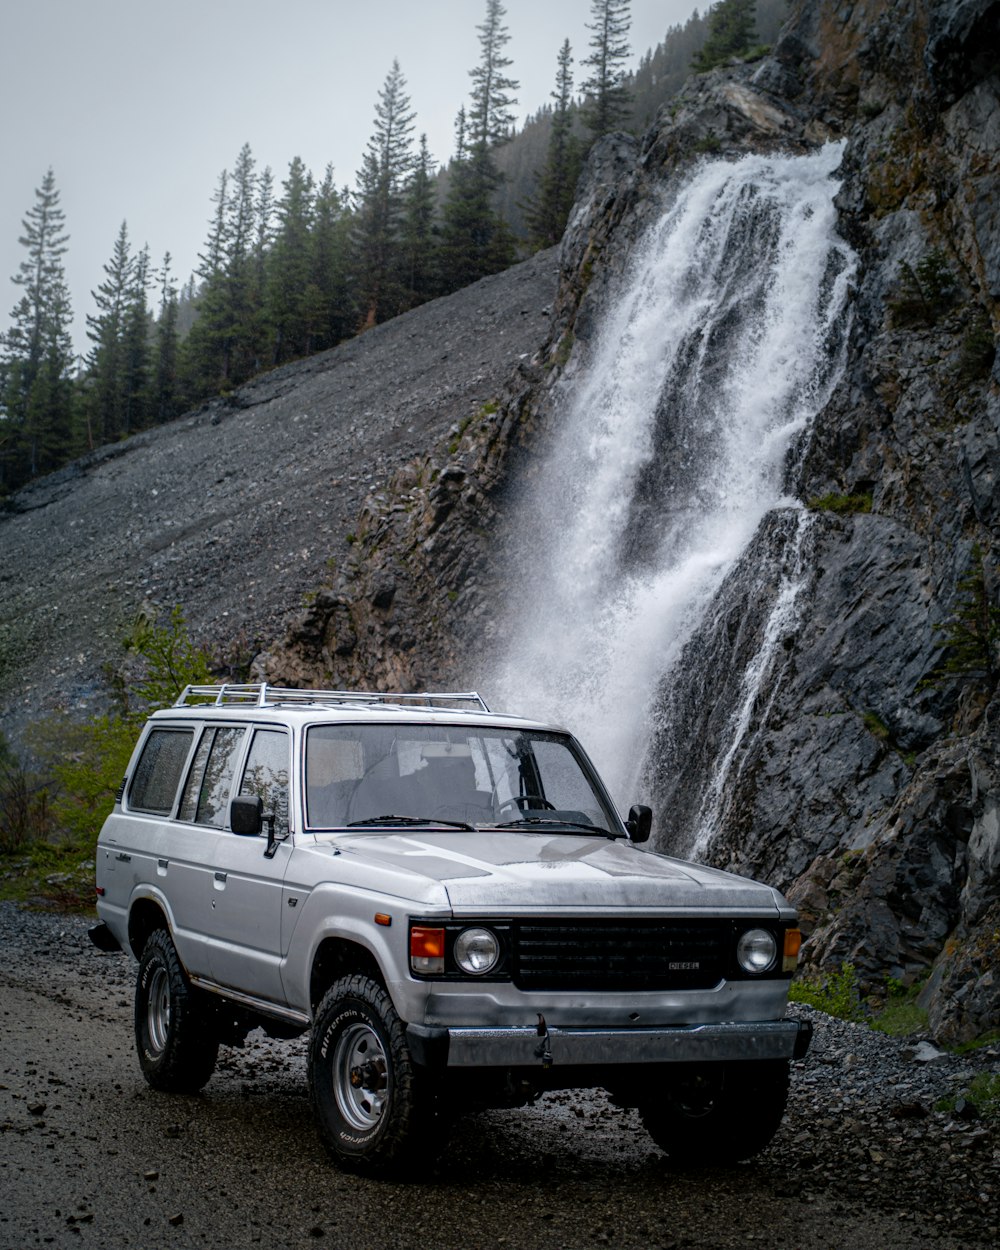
pixel 330 912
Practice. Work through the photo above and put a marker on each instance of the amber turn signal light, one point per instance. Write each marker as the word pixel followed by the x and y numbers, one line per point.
pixel 426 950
pixel 793 943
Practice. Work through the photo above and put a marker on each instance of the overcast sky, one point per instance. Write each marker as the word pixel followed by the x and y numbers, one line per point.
pixel 137 105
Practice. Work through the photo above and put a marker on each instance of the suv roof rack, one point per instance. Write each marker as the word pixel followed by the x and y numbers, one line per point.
pixel 260 694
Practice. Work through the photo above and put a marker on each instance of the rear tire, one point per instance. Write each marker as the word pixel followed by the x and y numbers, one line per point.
pixel 377 1111
pixel 717 1112
pixel 175 1032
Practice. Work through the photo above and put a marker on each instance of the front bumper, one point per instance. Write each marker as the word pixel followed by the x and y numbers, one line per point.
pixel 567 1047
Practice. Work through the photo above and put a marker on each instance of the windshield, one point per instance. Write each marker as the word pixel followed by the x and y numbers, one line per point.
pixel 465 775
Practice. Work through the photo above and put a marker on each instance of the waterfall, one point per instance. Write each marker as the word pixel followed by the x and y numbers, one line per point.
pixel 669 446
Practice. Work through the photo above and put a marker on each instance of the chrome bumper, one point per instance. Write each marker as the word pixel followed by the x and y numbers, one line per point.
pixel 531 1047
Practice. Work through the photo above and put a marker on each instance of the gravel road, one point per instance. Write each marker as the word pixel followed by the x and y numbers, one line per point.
pixel 91 1157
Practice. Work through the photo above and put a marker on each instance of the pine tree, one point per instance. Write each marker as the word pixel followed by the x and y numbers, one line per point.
pixel 330 246
pixel 490 119
pixel 136 333
pixel 36 354
pixel 546 216
pixel 419 236
pixel 476 241
pixel 731 32
pixel 972 634
pixel 289 316
pixel 105 402
pixel 239 331
pixel 223 348
pixel 607 98
pixel 165 401
pixel 379 201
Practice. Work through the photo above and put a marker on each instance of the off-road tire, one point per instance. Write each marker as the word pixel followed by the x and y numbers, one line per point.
pixel 175 1036
pixel 717 1113
pixel 377 1111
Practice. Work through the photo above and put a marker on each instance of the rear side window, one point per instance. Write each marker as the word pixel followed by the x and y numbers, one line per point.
pixel 206 795
pixel 158 773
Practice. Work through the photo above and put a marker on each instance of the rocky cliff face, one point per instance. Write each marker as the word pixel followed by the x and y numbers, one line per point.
pixel 865 779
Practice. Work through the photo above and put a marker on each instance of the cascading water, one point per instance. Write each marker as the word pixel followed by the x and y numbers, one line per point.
pixel 670 445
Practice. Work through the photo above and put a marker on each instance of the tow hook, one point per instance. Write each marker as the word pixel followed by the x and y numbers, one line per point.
pixel 543 1050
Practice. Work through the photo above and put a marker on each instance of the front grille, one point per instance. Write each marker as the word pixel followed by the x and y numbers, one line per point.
pixel 620 954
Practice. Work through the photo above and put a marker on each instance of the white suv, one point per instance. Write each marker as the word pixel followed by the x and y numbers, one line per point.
pixel 449 900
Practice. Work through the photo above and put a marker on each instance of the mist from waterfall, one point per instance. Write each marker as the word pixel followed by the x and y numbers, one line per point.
pixel 669 446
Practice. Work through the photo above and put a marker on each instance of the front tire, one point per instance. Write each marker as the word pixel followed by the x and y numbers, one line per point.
pixel 376 1109
pixel 717 1112
pixel 175 1036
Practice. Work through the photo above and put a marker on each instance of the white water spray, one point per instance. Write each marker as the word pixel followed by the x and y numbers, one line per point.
pixel 670 445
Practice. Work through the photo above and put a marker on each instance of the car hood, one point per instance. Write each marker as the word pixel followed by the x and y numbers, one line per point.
pixel 534 871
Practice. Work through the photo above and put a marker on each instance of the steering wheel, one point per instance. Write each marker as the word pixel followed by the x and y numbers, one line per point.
pixel 535 800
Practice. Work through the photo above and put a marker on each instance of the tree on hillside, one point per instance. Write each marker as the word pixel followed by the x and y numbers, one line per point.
pixel 136 355
pixel 476 241
pixel 731 32
pixel 385 168
pixel 36 354
pixel 607 100
pixel 165 401
pixel 223 348
pixel 290 309
pixel 330 263
pixel 547 214
pixel 106 401
pixel 418 240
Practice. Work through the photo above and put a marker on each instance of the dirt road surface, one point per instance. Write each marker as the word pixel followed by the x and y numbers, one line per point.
pixel 91 1157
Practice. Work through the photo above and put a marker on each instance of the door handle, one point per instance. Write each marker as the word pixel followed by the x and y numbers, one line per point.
pixel 221 876
pixel 123 858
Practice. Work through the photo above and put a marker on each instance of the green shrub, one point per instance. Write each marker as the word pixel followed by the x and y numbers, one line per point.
pixel 924 291
pixel 972 633
pixel 979 349
pixel 836 994
pixel 24 809
pixel 85 762
pixel 709 145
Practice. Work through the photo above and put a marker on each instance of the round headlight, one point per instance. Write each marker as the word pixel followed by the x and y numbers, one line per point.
pixel 476 951
pixel 756 950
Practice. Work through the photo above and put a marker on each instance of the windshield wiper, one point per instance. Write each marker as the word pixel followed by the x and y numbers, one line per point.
pixel 411 820
pixel 556 820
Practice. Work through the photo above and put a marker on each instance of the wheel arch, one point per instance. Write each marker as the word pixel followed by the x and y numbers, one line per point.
pixel 145 915
pixel 338 957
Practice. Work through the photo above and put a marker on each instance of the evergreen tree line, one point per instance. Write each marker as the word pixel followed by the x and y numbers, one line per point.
pixel 290 271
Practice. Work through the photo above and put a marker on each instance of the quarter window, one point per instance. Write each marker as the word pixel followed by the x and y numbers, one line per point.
pixel 158 773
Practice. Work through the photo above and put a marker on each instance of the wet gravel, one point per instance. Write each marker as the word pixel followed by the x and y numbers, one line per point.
pixel 90 1156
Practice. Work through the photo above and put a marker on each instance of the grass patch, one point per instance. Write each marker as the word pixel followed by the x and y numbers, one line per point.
pixel 842 504
pixel 876 726
pixel 51 877
pixel 983 1092
pixel 901 1015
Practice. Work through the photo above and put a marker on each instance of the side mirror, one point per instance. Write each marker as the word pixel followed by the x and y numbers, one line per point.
pixel 246 815
pixel 640 822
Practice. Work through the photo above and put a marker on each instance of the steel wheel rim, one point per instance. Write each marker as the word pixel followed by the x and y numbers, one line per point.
pixel 360 1077
pixel 158 1009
